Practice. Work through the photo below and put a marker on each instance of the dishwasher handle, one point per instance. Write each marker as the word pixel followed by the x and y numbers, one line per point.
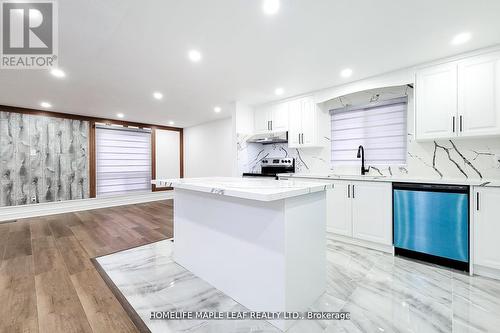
pixel 477 201
pixel 431 187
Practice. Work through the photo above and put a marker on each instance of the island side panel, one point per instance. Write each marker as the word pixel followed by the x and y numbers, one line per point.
pixel 305 246
pixel 236 245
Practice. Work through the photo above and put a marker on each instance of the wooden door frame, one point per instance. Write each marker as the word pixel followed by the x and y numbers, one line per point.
pixel 153 159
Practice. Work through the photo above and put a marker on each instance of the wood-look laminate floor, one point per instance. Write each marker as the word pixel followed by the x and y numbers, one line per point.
pixel 47 281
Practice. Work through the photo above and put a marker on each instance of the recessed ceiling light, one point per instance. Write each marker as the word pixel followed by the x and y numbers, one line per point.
pixel 279 91
pixel 270 7
pixel 158 95
pixel 45 105
pixel 217 109
pixel 347 72
pixel 461 38
pixel 171 122
pixel 194 55
pixel 59 73
pixel 120 115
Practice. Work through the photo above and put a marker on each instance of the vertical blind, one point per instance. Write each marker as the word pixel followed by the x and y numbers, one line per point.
pixel 123 160
pixel 381 129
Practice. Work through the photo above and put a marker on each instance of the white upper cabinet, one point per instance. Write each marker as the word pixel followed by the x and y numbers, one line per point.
pixel 487 227
pixel 303 123
pixel 436 102
pixel 271 118
pixel 279 117
pixel 309 123
pixel 459 99
pixel 299 117
pixel 294 123
pixel 479 95
pixel 262 120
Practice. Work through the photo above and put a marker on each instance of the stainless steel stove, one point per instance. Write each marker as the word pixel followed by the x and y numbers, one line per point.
pixel 271 167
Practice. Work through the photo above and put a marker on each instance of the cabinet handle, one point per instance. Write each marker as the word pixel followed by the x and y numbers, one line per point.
pixel 271 125
pixel 353 192
pixel 477 201
pixel 460 123
pixel 453 124
pixel 299 138
pixel 348 190
pixel 302 138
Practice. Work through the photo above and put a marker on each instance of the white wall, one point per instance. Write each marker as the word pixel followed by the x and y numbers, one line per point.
pixel 167 154
pixel 208 149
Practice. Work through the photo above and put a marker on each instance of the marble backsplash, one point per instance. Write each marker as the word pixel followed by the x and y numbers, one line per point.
pixel 455 159
pixel 309 160
pixel 42 159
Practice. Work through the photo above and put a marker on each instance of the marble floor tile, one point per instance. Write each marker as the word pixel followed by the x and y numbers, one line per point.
pixel 395 307
pixel 382 293
pixel 475 304
pixel 347 266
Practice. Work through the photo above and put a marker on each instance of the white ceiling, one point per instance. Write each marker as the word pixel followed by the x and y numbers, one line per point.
pixel 117 52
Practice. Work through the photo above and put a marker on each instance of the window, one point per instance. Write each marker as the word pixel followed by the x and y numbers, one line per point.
pixel 380 128
pixel 123 160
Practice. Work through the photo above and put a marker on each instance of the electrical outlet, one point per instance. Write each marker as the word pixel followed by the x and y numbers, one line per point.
pixel 33 199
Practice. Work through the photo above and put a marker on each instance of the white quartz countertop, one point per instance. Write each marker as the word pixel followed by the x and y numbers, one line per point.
pixel 449 181
pixel 247 188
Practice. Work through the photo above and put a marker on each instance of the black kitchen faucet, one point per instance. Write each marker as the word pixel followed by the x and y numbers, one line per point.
pixel 361 154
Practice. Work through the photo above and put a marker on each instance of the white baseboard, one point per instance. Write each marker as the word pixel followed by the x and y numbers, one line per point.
pixel 26 211
pixel 488 272
pixel 363 243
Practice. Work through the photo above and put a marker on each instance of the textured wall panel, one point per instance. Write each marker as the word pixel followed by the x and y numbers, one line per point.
pixel 42 159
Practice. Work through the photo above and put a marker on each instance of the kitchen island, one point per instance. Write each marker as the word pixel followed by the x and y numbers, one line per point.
pixel 261 242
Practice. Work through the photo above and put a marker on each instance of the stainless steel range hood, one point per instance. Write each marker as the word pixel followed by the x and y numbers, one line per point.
pixel 268 138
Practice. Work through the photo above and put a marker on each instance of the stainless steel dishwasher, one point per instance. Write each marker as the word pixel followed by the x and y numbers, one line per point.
pixel 431 223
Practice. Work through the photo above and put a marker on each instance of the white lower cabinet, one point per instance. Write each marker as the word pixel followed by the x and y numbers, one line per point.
pixel 361 210
pixel 338 212
pixel 487 227
pixel 372 211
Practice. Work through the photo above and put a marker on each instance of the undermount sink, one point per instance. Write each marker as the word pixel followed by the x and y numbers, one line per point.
pixel 355 176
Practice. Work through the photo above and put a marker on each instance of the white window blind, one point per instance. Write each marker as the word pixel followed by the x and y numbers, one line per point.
pixel 123 160
pixel 381 129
